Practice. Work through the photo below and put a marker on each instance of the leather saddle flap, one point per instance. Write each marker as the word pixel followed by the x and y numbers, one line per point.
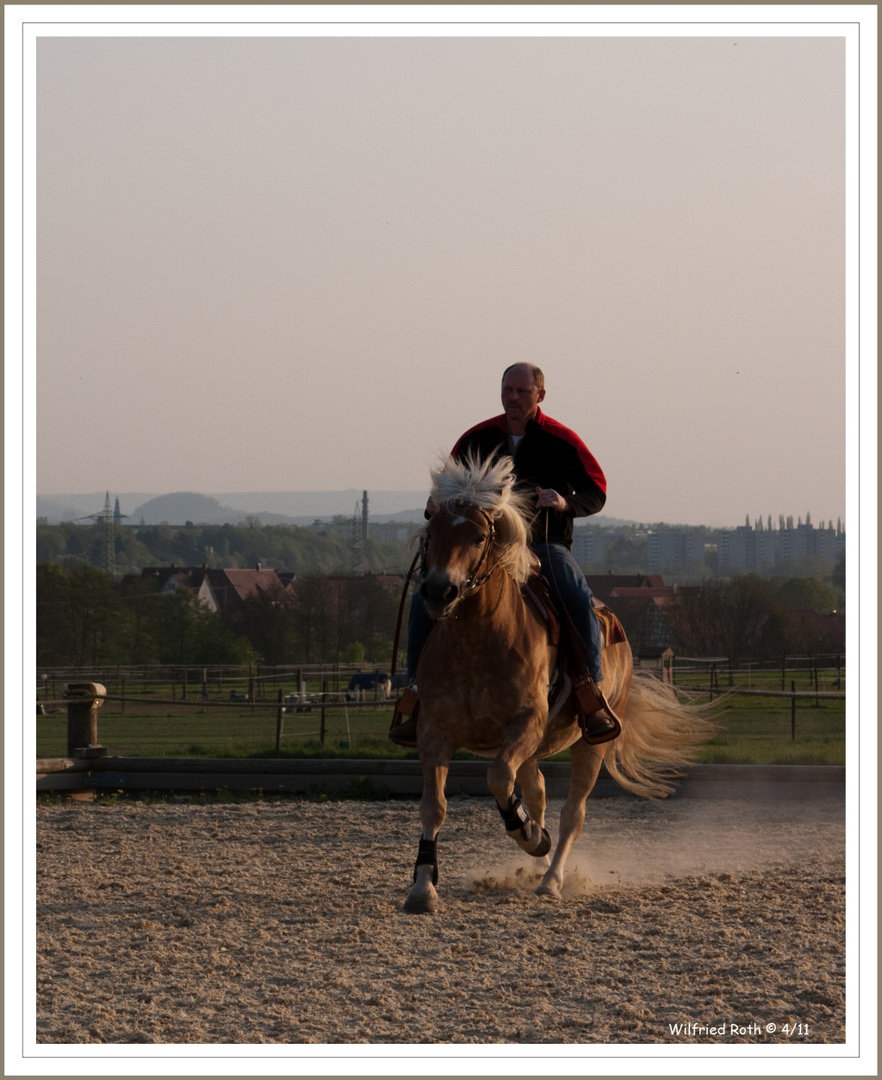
pixel 538 593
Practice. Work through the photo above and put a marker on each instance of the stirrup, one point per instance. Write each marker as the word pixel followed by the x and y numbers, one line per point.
pixel 403 729
pixel 597 719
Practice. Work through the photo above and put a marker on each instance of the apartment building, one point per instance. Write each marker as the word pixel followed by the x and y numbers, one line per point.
pixel 589 546
pixel 674 550
pixel 755 548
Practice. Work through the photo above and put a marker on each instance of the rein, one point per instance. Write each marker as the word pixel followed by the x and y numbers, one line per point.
pixel 401 611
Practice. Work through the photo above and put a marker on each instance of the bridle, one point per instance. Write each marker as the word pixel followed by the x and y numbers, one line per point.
pixel 475 578
pixel 472 582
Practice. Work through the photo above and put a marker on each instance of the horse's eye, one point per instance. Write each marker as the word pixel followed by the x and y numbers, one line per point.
pixel 479 540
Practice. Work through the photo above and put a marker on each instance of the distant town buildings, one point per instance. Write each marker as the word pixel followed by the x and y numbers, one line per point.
pixel 392 531
pixel 757 548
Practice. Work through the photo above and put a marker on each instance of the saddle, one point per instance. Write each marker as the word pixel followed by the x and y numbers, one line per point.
pixel 571 672
pixel 538 592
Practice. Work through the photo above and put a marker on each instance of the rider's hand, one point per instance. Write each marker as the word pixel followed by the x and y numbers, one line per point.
pixel 549 499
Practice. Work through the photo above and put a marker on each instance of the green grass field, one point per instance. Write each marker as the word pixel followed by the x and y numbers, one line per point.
pixel 760 730
pixel 753 731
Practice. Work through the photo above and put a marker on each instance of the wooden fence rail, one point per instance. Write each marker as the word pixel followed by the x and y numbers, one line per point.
pixel 85 699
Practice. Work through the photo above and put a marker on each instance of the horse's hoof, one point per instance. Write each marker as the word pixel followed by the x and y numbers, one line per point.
pixel 544 845
pixel 532 840
pixel 420 905
pixel 549 890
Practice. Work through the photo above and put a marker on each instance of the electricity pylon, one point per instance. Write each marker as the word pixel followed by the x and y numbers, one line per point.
pixel 106 517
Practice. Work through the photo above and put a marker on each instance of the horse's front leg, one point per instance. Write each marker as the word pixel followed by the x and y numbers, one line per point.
pixel 532 785
pixel 522 740
pixel 423 896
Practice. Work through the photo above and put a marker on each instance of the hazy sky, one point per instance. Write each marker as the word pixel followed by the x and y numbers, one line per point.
pixel 287 263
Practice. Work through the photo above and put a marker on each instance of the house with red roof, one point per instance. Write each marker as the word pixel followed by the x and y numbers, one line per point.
pixel 218 590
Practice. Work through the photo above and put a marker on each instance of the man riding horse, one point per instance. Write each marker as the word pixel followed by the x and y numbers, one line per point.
pixel 568 483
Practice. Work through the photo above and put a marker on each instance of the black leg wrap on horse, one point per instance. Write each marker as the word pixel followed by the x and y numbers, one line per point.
pixel 427 855
pixel 517 819
pixel 514 815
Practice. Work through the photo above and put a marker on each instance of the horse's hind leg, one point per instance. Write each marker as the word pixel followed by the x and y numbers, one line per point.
pixel 586 760
pixel 423 896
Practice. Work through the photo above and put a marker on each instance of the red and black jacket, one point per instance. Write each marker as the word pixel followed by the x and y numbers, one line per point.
pixel 549 455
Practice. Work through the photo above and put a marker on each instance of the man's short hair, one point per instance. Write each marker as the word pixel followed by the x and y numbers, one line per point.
pixel 538 377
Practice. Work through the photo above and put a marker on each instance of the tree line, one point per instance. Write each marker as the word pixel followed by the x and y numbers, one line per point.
pixel 86 618
pixel 322 548
pixel 751 617
pixel 326 547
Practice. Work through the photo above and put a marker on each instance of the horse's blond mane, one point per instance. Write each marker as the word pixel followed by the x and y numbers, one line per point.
pixel 490 485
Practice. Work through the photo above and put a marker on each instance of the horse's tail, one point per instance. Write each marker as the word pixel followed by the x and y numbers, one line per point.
pixel 659 736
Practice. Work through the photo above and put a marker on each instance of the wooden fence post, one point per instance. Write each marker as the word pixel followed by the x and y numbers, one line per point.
pixel 280 720
pixel 793 710
pixel 82 715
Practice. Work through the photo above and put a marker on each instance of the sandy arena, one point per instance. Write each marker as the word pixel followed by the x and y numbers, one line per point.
pixel 256 923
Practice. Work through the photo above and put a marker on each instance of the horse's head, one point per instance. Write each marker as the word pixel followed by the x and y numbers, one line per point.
pixel 480 523
pixel 456 555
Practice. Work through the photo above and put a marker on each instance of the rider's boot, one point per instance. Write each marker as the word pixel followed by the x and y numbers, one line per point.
pixel 597 719
pixel 403 729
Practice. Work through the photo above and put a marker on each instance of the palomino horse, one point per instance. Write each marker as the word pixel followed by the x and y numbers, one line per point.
pixel 484 676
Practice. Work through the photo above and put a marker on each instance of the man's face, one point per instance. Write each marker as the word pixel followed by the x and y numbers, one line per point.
pixel 520 396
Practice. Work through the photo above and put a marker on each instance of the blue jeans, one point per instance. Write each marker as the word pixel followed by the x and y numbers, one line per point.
pixel 567 584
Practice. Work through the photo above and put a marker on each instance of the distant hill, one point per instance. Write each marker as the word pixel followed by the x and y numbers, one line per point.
pixel 272 508
pixel 183 506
